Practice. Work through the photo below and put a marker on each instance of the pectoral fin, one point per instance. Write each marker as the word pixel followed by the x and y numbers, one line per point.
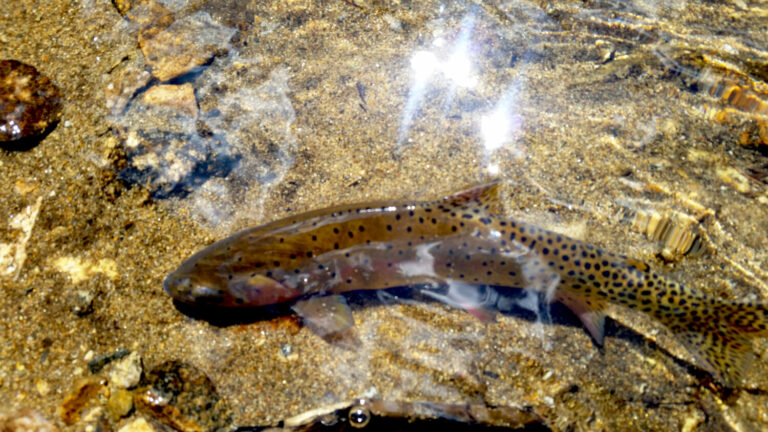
pixel 478 300
pixel 590 314
pixel 325 315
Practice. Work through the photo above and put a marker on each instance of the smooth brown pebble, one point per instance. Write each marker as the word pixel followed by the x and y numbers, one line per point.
pixel 29 102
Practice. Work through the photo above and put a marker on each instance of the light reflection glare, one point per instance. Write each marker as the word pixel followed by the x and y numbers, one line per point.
pixel 493 169
pixel 423 64
pixel 457 69
pixel 495 128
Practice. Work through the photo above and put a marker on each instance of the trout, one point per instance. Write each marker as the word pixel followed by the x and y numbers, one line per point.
pixel 458 242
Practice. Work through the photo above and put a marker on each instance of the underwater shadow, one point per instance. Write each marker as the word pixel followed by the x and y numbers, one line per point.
pixel 389 424
pixel 512 306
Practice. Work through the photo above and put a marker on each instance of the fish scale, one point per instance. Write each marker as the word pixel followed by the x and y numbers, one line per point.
pixel 455 242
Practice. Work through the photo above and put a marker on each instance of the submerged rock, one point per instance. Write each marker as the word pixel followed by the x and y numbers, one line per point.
pixel 26 421
pixel 178 97
pixel 125 6
pixel 174 47
pixel 126 372
pixel 84 396
pixel 29 102
pixel 138 425
pixel 120 403
pixel 181 396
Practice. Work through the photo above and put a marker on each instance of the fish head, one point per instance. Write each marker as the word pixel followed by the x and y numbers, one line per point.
pixel 212 287
pixel 188 289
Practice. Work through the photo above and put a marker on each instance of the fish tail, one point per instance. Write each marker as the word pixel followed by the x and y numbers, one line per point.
pixel 721 337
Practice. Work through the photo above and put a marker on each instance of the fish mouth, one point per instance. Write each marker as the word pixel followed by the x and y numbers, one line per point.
pixel 169 286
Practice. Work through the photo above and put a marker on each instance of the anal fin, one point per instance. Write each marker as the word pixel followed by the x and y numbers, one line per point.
pixel 590 313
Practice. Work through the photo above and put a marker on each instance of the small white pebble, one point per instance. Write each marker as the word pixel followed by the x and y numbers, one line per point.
pixel 138 425
pixel 42 387
pixel 126 372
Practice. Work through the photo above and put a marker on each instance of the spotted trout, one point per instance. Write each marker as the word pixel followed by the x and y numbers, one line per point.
pixel 458 242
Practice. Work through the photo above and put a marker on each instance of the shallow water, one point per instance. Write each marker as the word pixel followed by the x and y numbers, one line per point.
pixel 637 126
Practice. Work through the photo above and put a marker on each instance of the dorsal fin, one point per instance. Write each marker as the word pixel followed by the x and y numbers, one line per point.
pixel 485 196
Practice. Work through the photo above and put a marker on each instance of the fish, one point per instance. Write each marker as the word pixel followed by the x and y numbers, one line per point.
pixel 460 242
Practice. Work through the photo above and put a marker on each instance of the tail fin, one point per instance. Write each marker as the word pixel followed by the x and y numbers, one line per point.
pixel 722 339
